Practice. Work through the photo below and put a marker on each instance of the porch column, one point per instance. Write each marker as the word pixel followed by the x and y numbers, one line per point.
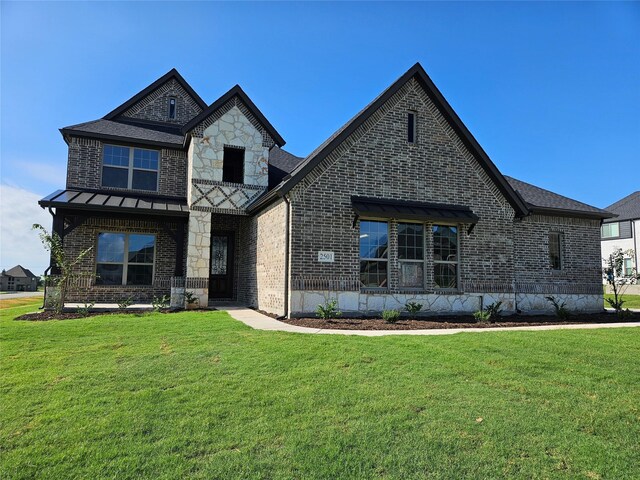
pixel 198 253
pixel 58 228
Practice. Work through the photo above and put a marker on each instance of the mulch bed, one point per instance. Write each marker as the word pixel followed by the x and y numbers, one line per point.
pixel 44 316
pixel 461 321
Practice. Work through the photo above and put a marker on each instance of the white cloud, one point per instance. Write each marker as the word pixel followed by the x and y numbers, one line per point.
pixel 19 210
pixel 45 172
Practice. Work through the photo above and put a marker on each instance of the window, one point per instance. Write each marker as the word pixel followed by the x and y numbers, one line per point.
pixel 628 267
pixel 374 246
pixel 411 254
pixel 172 108
pixel 125 259
pixel 233 165
pixel 610 230
pixel 411 127
pixel 124 167
pixel 555 250
pixel 445 256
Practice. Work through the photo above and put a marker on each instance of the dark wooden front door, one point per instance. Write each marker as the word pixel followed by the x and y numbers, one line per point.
pixel 221 267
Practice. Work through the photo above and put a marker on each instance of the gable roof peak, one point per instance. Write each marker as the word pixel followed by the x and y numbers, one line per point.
pixel 234 91
pixel 171 74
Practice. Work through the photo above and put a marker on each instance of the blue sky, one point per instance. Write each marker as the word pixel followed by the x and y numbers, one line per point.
pixel 550 90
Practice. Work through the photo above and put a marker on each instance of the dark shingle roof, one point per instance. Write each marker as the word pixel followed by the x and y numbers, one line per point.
pixel 540 200
pixel 627 208
pixel 142 132
pixel 281 164
pixel 19 272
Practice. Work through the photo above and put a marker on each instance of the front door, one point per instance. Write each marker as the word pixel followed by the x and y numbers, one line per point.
pixel 221 270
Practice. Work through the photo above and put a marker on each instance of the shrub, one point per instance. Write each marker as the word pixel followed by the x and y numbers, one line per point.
pixel 190 297
pixel 328 310
pixel 494 310
pixel 86 310
pixel 391 316
pixel 561 310
pixel 413 307
pixel 618 278
pixel 126 303
pixel 161 303
pixel 482 316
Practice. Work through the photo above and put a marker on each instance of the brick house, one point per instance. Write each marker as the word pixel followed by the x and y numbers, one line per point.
pixel 400 204
pixel 623 232
pixel 18 279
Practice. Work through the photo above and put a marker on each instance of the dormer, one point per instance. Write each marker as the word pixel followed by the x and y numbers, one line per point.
pixel 228 154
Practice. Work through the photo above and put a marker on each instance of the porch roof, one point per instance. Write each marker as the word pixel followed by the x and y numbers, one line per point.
pixel 409 210
pixel 102 201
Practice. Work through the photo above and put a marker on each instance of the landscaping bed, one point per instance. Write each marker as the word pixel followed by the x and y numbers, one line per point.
pixel 459 321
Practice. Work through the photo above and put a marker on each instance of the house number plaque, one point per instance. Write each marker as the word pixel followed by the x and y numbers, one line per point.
pixel 325 257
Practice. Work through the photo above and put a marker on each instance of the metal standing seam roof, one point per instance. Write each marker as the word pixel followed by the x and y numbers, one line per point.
pixel 409 210
pixel 115 202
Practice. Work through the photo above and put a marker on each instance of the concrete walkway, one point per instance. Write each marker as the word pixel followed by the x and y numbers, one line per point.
pixel 7 296
pixel 262 322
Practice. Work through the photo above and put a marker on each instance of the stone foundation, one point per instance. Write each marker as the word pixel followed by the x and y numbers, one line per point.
pixel 305 302
pixel 536 303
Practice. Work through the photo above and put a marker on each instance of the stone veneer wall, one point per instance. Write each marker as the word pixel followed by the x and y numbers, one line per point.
pixel 86 236
pixel 84 168
pixel 155 106
pixel 377 161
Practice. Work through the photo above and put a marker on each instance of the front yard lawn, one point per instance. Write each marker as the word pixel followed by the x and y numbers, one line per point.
pixel 199 395
pixel 630 301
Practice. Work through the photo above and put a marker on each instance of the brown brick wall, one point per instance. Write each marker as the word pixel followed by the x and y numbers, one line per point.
pixel 377 161
pixel 86 235
pixel 580 254
pixel 155 106
pixel 84 168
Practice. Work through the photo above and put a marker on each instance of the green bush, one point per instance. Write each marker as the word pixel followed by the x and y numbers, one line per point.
pixel 494 310
pixel 161 303
pixel 190 297
pixel 413 307
pixel 482 316
pixel 391 316
pixel 561 310
pixel 126 303
pixel 86 310
pixel 328 310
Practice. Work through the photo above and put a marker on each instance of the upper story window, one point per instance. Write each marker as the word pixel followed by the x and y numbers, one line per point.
pixel 555 250
pixel 233 164
pixel 411 127
pixel 134 168
pixel 610 230
pixel 125 259
pixel 374 258
pixel 445 256
pixel 172 108
pixel 411 254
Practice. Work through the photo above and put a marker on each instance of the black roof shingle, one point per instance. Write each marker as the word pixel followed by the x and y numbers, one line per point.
pixel 627 208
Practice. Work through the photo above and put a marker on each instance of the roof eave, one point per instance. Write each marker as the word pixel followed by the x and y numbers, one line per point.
pixel 564 212
pixel 118 138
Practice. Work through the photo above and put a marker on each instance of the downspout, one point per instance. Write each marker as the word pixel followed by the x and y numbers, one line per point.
pixel 286 256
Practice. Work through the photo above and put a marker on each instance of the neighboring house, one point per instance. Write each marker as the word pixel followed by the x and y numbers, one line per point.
pixel 18 279
pixel 401 203
pixel 623 231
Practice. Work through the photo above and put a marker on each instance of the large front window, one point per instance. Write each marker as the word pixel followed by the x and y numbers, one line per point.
pixel 125 259
pixel 445 256
pixel 374 248
pixel 134 168
pixel 411 254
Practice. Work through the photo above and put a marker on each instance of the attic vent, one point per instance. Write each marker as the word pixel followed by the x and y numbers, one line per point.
pixel 172 108
pixel 411 127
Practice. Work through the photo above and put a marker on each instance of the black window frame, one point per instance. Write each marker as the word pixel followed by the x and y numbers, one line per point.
pixel 411 127
pixel 556 260
pixel 172 108
pixel 233 160
pixel 125 263
pixel 382 258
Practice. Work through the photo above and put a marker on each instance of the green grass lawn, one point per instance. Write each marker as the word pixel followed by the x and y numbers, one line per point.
pixel 630 301
pixel 199 395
